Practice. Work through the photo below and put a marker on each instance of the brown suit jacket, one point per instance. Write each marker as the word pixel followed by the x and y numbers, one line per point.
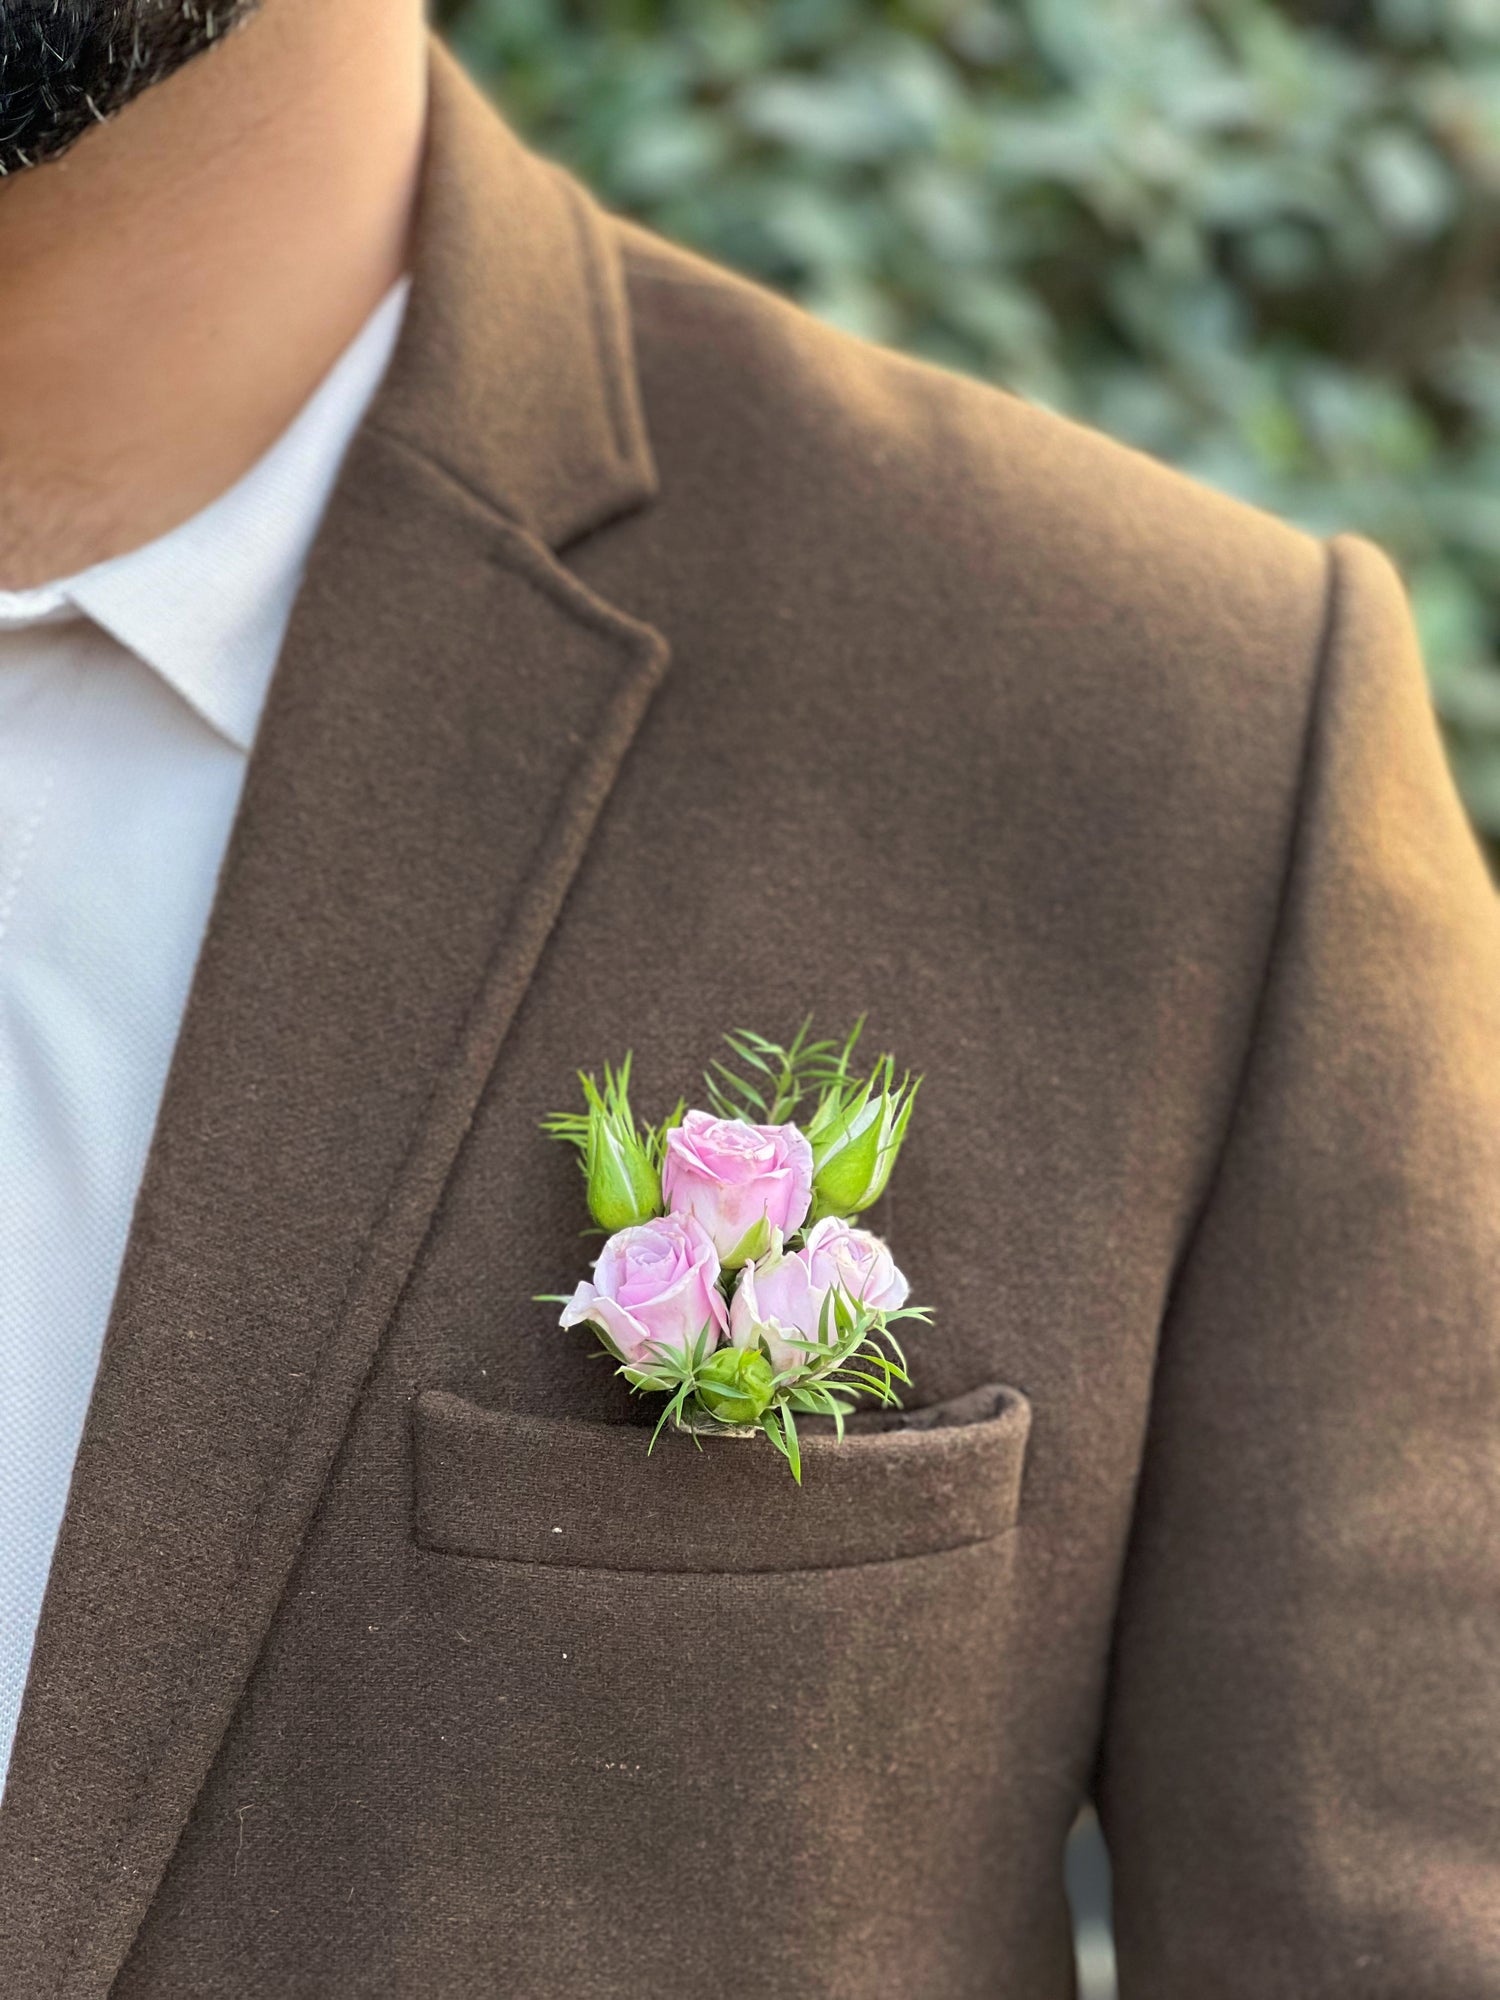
pixel 668 661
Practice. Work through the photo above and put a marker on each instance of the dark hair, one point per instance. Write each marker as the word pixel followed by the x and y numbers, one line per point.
pixel 68 64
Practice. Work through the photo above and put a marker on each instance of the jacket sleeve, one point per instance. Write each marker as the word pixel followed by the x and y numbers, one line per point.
pixel 1299 1778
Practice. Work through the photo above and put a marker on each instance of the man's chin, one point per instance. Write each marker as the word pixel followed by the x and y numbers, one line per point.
pixel 68 65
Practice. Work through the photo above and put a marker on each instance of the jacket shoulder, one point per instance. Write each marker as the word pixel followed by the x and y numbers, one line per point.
pixel 861 444
pixel 1153 641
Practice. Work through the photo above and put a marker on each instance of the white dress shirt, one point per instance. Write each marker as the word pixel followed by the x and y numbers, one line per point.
pixel 129 699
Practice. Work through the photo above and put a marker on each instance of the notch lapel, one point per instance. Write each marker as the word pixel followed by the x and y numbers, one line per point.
pixel 441 734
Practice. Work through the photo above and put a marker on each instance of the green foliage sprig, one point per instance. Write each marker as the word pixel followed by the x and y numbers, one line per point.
pixel 784 1075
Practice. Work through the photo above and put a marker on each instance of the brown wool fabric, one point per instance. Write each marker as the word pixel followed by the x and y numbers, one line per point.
pixel 667 662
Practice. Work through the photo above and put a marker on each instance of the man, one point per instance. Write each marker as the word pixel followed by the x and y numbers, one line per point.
pixel 663 661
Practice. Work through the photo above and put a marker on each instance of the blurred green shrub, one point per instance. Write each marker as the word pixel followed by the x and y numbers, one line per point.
pixel 1260 241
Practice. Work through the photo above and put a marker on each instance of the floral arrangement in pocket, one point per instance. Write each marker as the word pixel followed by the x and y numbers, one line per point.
pixel 734 1280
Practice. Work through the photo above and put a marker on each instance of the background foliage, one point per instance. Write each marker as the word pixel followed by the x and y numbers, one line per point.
pixel 1261 241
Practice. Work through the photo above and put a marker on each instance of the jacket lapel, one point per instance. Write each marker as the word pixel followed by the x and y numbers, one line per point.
pixel 444 725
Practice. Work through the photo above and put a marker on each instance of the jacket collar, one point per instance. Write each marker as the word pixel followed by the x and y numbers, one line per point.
pixel 515 372
pixel 446 719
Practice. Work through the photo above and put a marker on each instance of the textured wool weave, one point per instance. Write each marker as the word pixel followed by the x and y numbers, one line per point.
pixel 667 661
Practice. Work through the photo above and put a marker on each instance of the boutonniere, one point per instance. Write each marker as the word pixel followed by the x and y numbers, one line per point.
pixel 734 1281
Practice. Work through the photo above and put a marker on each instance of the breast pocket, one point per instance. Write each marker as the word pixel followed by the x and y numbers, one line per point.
pixel 717 1731
pixel 524 1489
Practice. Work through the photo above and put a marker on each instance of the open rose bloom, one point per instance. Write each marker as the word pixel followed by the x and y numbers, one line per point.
pixel 741 1181
pixel 654 1289
pixel 750 1298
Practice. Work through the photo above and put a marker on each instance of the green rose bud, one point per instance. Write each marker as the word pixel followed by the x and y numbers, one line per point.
pixel 621 1166
pixel 855 1143
pixel 734 1385
pixel 624 1186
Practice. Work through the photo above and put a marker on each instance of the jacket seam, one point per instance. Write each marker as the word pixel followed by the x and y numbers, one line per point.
pixel 1335 591
pixel 1330 628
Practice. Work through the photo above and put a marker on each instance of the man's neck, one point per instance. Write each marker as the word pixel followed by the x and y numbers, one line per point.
pixel 178 283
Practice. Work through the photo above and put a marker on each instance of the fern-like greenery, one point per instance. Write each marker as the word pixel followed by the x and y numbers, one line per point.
pixel 782 1076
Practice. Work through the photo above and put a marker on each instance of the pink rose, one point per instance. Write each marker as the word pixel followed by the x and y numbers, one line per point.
pixel 780 1298
pixel 738 1179
pixel 777 1302
pixel 856 1260
pixel 655 1286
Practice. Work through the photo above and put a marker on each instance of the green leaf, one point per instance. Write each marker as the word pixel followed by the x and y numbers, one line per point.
pixel 793 1448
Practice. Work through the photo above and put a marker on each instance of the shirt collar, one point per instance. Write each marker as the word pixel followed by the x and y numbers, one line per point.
pixel 206 605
